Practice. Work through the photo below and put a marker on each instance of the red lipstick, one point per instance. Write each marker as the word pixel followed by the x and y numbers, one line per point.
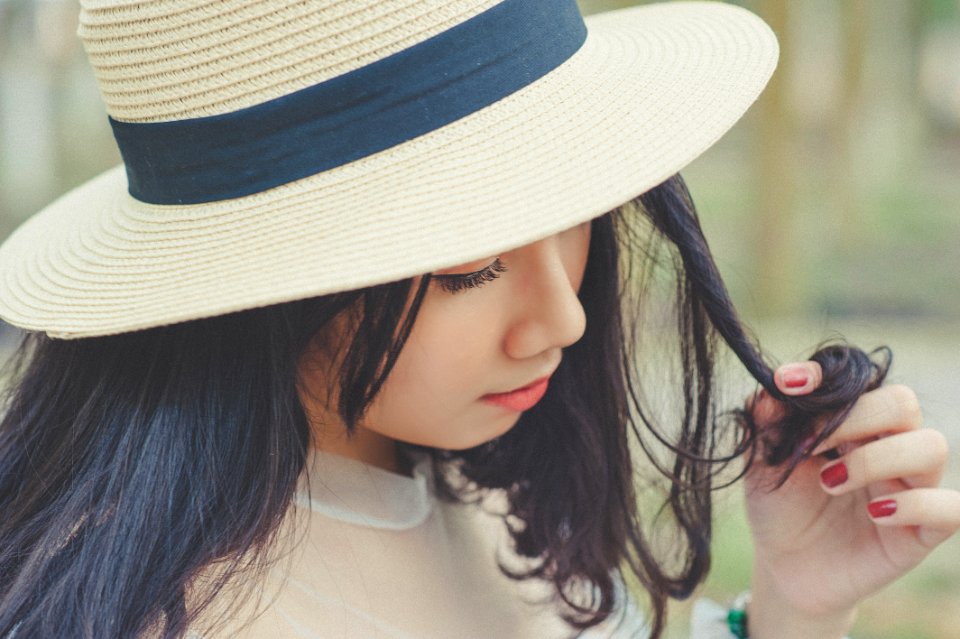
pixel 520 399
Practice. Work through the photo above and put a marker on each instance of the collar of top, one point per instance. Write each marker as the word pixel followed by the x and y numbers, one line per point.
pixel 356 493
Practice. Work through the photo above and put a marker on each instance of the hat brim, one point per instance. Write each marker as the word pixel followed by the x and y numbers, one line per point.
pixel 651 88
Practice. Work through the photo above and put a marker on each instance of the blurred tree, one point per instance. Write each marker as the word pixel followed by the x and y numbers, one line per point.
pixel 775 290
pixel 842 190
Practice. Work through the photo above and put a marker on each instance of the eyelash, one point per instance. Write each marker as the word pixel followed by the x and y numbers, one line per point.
pixel 456 283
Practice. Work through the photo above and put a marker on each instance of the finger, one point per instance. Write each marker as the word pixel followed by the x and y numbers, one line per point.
pixel 890 409
pixel 764 408
pixel 917 458
pixel 798 378
pixel 935 510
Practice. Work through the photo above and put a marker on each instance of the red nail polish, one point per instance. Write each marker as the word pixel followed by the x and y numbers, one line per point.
pixel 834 475
pixel 795 378
pixel 882 508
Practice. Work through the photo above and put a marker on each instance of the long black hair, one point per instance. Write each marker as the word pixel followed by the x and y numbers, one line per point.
pixel 131 464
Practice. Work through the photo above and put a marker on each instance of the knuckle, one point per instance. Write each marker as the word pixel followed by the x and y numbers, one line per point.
pixel 920 509
pixel 861 465
pixel 907 404
pixel 935 444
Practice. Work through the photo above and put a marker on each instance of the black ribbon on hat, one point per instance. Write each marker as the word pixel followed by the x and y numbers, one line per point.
pixel 354 115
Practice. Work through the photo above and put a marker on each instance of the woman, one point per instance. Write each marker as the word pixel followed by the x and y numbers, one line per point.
pixel 368 264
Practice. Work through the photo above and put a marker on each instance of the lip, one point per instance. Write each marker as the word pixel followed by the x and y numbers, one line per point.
pixel 520 399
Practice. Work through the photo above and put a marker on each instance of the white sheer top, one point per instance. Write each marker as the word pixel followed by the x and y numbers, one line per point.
pixel 382 558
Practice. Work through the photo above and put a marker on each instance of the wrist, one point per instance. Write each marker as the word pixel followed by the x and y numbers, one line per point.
pixel 771 615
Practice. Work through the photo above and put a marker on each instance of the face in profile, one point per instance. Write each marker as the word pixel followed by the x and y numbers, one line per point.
pixel 499 334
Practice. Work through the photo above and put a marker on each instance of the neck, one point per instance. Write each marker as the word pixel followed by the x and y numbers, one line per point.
pixel 364 446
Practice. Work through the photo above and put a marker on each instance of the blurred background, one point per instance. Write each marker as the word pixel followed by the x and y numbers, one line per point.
pixel 833 208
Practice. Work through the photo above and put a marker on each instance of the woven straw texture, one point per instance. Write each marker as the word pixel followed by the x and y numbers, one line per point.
pixel 164 60
pixel 651 88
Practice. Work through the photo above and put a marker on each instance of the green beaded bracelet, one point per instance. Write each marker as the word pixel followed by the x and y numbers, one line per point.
pixel 737 616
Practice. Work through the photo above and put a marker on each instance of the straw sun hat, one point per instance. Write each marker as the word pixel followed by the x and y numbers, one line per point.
pixel 281 149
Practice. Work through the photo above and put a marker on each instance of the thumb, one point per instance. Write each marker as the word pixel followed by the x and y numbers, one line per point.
pixel 798 378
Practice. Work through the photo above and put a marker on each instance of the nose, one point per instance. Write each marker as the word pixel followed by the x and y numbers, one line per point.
pixel 549 313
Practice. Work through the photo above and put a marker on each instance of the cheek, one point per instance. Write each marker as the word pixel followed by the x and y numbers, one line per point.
pixel 431 395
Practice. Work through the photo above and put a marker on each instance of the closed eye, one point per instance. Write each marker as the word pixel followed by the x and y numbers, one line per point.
pixel 460 281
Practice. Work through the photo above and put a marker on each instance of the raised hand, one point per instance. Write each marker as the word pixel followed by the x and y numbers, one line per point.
pixel 840 529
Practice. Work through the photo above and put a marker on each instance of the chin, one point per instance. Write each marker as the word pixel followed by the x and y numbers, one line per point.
pixel 478 439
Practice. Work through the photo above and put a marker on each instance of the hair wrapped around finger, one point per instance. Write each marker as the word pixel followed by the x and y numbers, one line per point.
pixel 805 421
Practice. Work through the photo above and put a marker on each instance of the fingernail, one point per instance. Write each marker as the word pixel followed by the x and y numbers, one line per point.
pixel 833 476
pixel 882 508
pixel 795 376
